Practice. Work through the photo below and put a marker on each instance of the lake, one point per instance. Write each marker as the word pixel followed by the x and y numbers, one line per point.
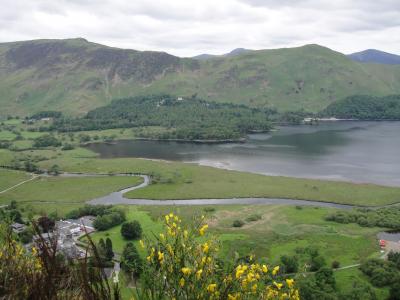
pixel 350 151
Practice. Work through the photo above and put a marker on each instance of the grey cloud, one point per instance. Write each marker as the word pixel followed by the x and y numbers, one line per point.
pixel 187 27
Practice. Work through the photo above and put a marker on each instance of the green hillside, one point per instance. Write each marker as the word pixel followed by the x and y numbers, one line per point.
pixel 76 76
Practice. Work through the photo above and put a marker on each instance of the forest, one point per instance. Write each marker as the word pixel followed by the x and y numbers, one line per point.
pixel 186 119
pixel 363 107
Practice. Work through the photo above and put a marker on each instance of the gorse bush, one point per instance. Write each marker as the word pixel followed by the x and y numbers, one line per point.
pixel 183 264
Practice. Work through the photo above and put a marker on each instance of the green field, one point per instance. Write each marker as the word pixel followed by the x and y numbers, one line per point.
pixel 9 178
pixel 63 190
pixel 281 231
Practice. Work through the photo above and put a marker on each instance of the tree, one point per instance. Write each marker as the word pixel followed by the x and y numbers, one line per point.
pixel 46 223
pixel 109 253
pixel 325 279
pixel 394 293
pixel 131 230
pixel 55 170
pixel 131 262
pixel 317 262
pixel 289 263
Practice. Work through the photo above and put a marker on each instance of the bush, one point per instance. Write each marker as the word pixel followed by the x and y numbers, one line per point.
pixel 237 223
pixel 335 264
pixel 131 230
pixel 46 140
pixel 67 147
pixel 209 209
pixel 289 263
pixel 183 263
pixel 253 218
pixel 109 220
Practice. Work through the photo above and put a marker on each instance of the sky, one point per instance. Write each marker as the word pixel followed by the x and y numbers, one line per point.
pixel 188 27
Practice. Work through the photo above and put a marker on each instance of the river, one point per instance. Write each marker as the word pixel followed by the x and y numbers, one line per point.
pixel 349 151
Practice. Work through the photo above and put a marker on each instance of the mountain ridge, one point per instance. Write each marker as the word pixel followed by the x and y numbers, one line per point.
pixel 375 56
pixel 75 76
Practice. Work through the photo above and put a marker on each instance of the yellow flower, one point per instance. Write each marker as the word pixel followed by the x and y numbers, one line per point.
pixel 275 270
pixel 203 229
pixel 141 244
pixel 205 247
pixel 162 236
pixel 264 268
pixel 278 285
pixel 254 288
pixel 160 256
pixel 185 234
pixel 186 271
pixel 289 282
pixel 211 288
pixel 148 258
pixel 167 218
pixel 182 282
pixel 198 273
pixel 232 297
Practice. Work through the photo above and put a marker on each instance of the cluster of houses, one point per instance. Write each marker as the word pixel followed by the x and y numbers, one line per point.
pixel 66 233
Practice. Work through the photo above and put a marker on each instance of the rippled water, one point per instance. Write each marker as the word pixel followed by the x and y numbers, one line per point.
pixel 351 151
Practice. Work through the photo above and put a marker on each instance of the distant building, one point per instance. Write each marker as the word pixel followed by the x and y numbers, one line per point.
pixel 17 227
pixel 180 99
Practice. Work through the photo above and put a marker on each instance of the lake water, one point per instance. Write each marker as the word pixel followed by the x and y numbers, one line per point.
pixel 351 151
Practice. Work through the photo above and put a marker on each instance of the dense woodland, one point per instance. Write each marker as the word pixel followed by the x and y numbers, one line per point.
pixel 362 107
pixel 189 119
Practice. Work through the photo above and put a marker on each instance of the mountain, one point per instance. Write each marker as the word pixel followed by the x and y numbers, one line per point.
pixel 375 56
pixel 75 76
pixel 234 52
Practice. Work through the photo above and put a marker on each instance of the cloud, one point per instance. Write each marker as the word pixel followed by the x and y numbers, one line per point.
pixel 188 27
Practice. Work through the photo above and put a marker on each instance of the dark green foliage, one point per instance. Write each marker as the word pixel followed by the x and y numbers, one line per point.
pixel 335 264
pixel 67 147
pixel 89 210
pixel 253 218
pixel 381 273
pixel 382 217
pixel 189 119
pixel 359 290
pixel 46 114
pixel 29 166
pixel 5 144
pixel 106 215
pixel 45 223
pixel 131 230
pixel 289 264
pixel 394 292
pixel 55 170
pixel 325 279
pixel 84 138
pixel 46 140
pixel 25 236
pixel 131 262
pixel 317 262
pixel 237 223
pixel 109 220
pixel 209 209
pixel 109 253
pixel 394 257
pixel 364 107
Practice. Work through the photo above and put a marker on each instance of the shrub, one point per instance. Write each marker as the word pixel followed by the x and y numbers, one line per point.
pixel 209 209
pixel 109 220
pixel 237 223
pixel 183 263
pixel 46 140
pixel 131 230
pixel 335 264
pixel 289 263
pixel 67 147
pixel 253 218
